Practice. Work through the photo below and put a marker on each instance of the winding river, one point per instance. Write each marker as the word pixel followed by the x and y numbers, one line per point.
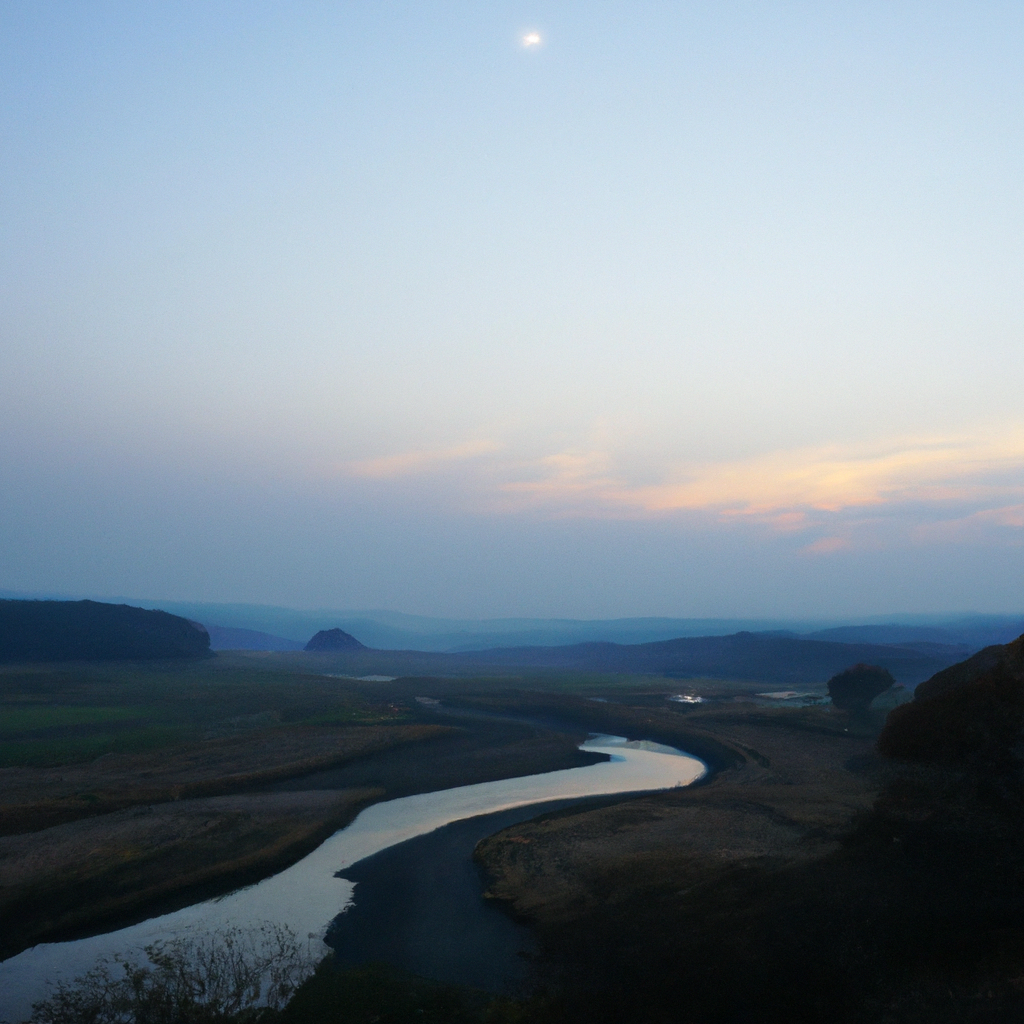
pixel 307 896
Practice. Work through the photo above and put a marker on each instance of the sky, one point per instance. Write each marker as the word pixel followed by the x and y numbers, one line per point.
pixel 688 309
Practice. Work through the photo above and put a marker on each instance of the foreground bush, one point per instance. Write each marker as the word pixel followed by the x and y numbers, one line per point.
pixel 237 975
pixel 379 994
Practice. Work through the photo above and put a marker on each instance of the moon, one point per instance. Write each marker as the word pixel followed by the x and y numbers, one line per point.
pixel 532 39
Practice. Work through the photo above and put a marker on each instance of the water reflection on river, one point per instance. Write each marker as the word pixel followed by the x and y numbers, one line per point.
pixel 308 895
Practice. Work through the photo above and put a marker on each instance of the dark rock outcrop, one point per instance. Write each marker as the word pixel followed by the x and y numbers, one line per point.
pixel 39 631
pixel 334 640
pixel 962 673
pixel 971 713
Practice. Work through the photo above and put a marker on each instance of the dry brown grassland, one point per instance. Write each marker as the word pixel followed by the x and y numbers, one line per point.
pixel 796 781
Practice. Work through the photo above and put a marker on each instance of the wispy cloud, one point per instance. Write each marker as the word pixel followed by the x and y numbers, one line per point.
pixel 419 461
pixel 982 522
pixel 827 499
pixel 826 545
pixel 783 487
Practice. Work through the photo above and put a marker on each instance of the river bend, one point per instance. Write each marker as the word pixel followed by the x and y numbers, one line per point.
pixel 307 896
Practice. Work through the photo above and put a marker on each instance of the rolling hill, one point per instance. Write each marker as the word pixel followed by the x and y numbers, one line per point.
pixel 42 631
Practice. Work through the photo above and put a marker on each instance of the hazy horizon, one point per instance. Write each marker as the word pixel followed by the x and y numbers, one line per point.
pixel 691 310
pixel 244 613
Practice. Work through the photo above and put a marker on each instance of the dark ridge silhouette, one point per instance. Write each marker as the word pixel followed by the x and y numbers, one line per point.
pixel 755 656
pixel 971 713
pixel 37 631
pixel 856 687
pixel 334 640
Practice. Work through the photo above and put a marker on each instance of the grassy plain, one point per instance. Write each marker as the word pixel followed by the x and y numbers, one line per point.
pixel 65 713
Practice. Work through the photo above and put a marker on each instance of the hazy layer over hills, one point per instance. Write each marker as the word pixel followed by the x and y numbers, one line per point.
pixel 231 638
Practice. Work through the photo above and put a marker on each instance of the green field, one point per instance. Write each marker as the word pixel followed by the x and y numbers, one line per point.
pixel 18 717
pixel 60 714
pixel 41 753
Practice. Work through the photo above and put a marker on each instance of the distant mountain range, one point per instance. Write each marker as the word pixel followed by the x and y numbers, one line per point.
pixel 755 656
pixel 65 630
pixel 263 627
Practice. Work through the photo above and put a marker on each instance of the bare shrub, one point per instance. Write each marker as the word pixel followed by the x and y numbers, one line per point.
pixel 232 975
pixel 855 688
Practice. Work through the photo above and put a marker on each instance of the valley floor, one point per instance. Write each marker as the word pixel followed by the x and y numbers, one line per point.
pixel 95 844
pixel 806 879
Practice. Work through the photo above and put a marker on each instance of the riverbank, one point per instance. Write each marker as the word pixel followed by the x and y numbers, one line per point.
pixel 114 795
pixel 137 846
pixel 815 882
pixel 307 895
pixel 36 798
pixel 98 845
pixel 107 872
